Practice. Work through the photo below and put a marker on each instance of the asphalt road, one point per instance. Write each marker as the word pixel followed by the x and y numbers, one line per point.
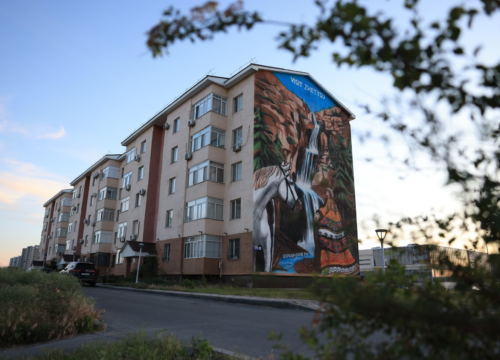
pixel 240 328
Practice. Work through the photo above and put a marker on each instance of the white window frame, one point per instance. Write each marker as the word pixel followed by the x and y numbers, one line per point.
pixel 140 173
pixel 110 172
pixel 105 191
pixel 200 246
pixel 208 136
pixel 127 179
pixel 130 155
pixel 233 252
pixel 124 204
pixel 119 259
pixel 236 170
pixel 207 170
pixel 138 200
pixel 204 208
pixel 70 227
pixel 105 214
pixel 143 147
pixel 238 103
pixel 171 186
pixel 235 209
pixel 174 154
pixel 122 229
pixel 169 218
pixel 238 136
pixel 176 125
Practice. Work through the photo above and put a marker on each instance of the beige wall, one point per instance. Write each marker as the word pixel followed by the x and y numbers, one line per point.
pixel 56 210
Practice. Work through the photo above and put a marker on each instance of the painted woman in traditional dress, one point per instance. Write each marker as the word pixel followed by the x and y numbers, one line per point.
pixel 335 254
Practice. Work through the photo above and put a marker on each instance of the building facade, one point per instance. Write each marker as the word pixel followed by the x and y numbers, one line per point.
pixel 240 175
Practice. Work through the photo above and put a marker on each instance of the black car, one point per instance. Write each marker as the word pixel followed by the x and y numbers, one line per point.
pixel 83 271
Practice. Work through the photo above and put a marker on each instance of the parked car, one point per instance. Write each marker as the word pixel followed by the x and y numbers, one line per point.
pixel 83 271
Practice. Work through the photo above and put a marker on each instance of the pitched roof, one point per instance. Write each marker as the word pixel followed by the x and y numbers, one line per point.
pixel 159 118
pixel 57 195
pixel 99 162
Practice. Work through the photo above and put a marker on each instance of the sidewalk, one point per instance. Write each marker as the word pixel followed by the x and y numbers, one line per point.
pixel 294 304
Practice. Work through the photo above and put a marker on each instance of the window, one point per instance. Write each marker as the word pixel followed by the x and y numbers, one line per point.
pixel 135 227
pixel 61 232
pixel 122 230
pixel 75 193
pixel 206 207
pixel 166 252
pixel 63 217
pixel 76 227
pixel 70 227
pixel 80 190
pixel 130 155
pixel 207 170
pixel 238 103
pixel 103 237
pixel 208 136
pixel 124 204
pixel 118 215
pixel 72 211
pixel 137 200
pixel 105 214
pixel 126 179
pixel 77 208
pixel 107 193
pixel 202 246
pixel 119 259
pixel 235 209
pixel 89 219
pixel 73 245
pixel 86 240
pixel 168 220
pixel 237 136
pixel 141 173
pixel 93 180
pixel 171 186
pixel 91 201
pixel 66 202
pixel 236 172
pixel 174 153
pixel 68 245
pixel 211 102
pixel 234 249
pixel 176 124
pixel 111 172
pixel 143 147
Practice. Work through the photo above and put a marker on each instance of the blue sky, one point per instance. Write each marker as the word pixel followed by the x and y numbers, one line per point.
pixel 76 78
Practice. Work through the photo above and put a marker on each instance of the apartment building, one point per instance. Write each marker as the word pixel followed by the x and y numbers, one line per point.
pixel 229 180
pixel 55 225
pixel 15 261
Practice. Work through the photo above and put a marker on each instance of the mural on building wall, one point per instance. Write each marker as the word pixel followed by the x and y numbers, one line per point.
pixel 304 205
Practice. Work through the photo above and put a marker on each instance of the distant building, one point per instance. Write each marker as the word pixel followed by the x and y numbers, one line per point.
pixel 29 254
pixel 420 259
pixel 15 261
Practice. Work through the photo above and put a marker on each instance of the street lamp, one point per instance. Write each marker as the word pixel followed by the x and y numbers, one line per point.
pixel 139 263
pixel 381 233
pixel 74 254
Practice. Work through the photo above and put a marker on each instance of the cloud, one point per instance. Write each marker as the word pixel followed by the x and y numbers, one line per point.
pixel 25 180
pixel 53 136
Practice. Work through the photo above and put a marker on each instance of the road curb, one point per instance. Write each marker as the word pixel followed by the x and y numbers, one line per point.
pixel 275 303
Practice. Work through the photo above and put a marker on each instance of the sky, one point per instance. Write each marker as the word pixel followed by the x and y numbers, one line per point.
pixel 76 79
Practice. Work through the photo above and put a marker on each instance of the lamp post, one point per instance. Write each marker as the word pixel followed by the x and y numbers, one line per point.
pixel 381 233
pixel 139 263
pixel 74 254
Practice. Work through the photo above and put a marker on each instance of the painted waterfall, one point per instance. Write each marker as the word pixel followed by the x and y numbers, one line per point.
pixel 304 200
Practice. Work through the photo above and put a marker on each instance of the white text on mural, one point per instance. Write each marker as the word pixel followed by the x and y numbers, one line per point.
pixel 307 87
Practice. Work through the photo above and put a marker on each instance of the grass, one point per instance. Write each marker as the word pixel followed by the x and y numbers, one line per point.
pixel 37 307
pixel 223 289
pixel 138 346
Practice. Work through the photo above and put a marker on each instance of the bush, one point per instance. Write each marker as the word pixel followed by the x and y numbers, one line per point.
pixel 36 307
pixel 188 284
pixel 138 346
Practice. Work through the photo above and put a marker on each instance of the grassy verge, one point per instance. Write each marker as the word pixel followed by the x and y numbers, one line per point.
pixel 138 346
pixel 223 289
pixel 37 307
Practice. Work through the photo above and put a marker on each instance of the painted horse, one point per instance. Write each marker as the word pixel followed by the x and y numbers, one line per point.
pixel 268 183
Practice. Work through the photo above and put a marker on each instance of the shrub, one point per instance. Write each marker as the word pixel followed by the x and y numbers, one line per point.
pixel 35 307
pixel 188 284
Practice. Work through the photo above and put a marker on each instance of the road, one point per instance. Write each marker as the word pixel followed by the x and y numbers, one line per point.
pixel 240 328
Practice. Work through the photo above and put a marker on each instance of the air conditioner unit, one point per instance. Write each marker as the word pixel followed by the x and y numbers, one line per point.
pixel 189 156
pixel 94 194
pixel 78 195
pixel 46 215
pixel 166 126
pixel 74 247
pixel 73 208
pixel 191 123
pixel 142 192
pixel 93 223
pixel 127 187
pixel 50 237
pixel 52 220
pixel 96 174
pixel 133 237
pixel 237 147
pixel 137 158
pixel 85 221
pixel 122 238
pixel 80 241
